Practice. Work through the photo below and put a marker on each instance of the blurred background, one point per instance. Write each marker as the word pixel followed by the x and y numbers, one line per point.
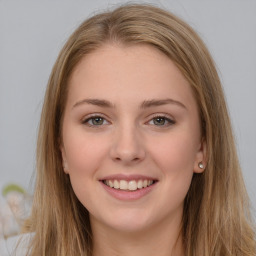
pixel 32 33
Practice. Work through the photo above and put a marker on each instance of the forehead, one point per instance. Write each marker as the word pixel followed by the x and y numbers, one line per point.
pixel 137 71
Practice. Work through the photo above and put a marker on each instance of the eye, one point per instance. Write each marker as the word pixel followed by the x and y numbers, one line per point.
pixel 95 121
pixel 161 121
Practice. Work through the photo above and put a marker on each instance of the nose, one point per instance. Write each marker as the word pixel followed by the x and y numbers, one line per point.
pixel 127 146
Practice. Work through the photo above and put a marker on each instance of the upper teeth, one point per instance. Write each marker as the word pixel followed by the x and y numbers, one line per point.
pixel 128 185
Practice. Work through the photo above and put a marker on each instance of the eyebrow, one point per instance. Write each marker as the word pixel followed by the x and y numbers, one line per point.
pixel 145 104
pixel 155 103
pixel 96 102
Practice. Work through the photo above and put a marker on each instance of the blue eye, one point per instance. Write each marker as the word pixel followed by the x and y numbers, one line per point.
pixel 161 121
pixel 95 121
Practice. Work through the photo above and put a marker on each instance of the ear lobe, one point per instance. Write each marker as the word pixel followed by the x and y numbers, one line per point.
pixel 64 160
pixel 200 162
pixel 65 167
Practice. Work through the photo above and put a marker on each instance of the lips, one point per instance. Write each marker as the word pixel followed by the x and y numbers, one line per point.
pixel 128 187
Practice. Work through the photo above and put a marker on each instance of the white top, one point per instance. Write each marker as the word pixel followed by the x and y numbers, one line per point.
pixel 8 247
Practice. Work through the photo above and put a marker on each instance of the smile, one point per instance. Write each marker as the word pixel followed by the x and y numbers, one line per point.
pixel 131 185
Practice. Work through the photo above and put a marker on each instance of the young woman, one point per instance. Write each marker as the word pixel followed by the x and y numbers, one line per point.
pixel 135 150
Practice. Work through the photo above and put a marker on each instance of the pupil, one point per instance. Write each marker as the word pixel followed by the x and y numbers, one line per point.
pixel 159 121
pixel 97 121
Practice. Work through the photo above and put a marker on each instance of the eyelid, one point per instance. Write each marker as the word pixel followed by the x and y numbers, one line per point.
pixel 170 119
pixel 85 119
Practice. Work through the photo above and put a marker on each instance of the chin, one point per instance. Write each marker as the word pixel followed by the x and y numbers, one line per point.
pixel 128 221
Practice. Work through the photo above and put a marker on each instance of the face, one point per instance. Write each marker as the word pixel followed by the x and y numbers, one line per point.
pixel 131 137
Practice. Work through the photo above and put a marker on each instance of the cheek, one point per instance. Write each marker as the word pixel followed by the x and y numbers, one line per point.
pixel 84 153
pixel 175 153
pixel 175 157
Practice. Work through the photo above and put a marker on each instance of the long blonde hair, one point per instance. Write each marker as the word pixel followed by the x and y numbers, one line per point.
pixel 216 216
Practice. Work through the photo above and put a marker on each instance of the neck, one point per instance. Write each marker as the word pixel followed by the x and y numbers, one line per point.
pixel 164 239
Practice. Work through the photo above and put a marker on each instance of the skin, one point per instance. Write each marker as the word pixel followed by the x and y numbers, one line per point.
pixel 129 140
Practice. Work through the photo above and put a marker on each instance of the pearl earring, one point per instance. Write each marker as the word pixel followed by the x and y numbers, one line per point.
pixel 200 165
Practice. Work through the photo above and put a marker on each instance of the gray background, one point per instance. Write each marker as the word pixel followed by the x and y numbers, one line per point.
pixel 32 33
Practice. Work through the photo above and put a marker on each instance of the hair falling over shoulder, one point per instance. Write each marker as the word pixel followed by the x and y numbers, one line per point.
pixel 216 216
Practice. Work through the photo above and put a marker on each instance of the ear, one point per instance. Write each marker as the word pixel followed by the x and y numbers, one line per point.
pixel 64 160
pixel 200 160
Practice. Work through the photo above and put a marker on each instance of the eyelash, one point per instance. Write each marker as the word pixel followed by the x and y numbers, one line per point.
pixel 93 117
pixel 158 116
pixel 165 118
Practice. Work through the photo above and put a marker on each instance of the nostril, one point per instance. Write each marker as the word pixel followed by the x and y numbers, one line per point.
pixel 135 159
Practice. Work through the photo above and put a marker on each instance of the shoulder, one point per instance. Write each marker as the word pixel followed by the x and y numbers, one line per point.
pixel 16 245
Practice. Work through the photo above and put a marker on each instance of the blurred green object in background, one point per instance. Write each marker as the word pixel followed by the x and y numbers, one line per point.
pixel 12 187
